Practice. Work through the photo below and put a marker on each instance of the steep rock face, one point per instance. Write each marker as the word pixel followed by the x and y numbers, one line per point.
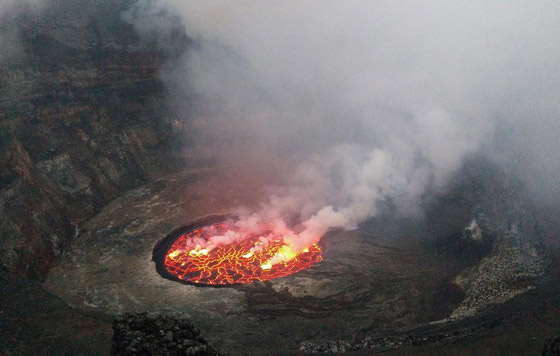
pixel 80 123
pixel 502 247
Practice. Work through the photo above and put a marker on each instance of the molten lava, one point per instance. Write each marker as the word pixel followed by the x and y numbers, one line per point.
pixel 244 261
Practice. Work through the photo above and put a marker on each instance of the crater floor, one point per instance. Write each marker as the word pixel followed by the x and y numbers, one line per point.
pixel 385 276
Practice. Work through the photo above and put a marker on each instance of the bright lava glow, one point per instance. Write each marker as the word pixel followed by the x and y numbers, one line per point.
pixel 244 261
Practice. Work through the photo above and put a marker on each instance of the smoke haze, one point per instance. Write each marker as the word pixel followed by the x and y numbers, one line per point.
pixel 9 12
pixel 12 7
pixel 374 101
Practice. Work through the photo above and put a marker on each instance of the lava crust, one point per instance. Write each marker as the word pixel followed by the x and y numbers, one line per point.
pixel 239 262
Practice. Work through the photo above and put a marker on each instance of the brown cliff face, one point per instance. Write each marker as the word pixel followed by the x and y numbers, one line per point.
pixel 80 122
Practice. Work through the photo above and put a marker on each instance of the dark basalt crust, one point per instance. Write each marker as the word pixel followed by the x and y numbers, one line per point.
pixel 161 248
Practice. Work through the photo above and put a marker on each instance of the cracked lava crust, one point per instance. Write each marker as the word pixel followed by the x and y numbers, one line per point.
pixel 184 256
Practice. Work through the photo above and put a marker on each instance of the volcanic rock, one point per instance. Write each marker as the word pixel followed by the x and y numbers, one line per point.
pixel 552 347
pixel 143 334
pixel 80 123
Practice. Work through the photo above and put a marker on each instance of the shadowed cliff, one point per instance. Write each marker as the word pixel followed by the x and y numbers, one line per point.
pixel 82 119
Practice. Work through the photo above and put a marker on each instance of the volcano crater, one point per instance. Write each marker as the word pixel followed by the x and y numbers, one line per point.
pixel 391 274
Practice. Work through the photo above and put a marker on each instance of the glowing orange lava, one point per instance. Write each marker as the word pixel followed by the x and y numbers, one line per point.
pixel 244 261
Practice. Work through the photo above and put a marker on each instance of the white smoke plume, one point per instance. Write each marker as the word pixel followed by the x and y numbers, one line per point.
pixel 375 100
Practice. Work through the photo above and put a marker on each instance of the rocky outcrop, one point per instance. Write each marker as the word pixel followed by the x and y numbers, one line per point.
pixel 80 123
pixel 515 262
pixel 154 334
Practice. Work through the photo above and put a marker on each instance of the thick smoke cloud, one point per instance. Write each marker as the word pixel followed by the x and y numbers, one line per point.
pixel 376 101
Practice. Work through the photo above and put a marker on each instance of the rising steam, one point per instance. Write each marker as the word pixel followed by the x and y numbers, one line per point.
pixel 377 100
